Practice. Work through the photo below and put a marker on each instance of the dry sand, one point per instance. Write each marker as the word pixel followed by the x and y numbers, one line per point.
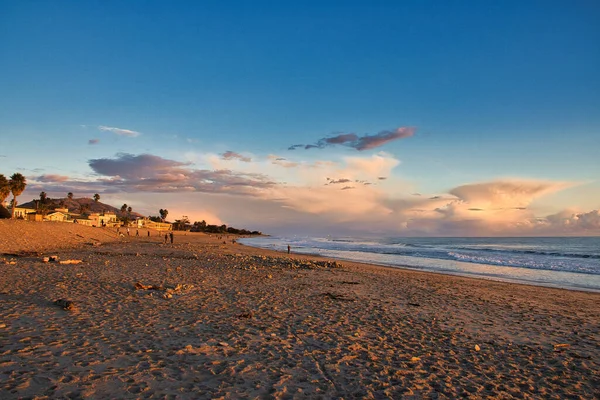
pixel 249 323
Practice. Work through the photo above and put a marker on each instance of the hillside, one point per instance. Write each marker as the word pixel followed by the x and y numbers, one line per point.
pixel 79 205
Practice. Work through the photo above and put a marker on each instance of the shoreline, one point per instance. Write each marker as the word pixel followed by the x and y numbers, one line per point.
pixel 446 273
pixel 467 274
pixel 234 321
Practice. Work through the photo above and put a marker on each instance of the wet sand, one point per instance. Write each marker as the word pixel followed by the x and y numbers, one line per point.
pixel 231 321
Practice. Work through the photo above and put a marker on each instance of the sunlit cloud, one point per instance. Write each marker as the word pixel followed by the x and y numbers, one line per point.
pixel 150 173
pixel 51 178
pixel 119 131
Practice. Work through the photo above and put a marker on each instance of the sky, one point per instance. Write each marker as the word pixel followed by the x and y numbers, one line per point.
pixel 412 118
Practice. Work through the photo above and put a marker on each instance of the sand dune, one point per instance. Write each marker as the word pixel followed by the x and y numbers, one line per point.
pixel 229 321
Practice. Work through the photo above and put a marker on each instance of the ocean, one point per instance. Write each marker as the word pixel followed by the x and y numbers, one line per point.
pixel 565 262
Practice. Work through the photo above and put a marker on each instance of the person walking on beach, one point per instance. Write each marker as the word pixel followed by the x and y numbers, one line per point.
pixel 128 234
pixel 166 238
pixel 289 249
pixel 137 233
pixel 148 232
pixel 171 234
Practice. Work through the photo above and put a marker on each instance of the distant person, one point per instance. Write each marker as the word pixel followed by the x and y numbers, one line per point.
pixel 166 238
pixel 171 234
pixel 128 234
pixel 137 232
pixel 148 232
pixel 289 249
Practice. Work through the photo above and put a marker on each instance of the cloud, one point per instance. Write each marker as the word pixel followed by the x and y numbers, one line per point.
pixel 119 131
pixel 341 139
pixel 150 173
pixel 93 141
pixel 506 194
pixel 334 181
pixel 575 222
pixel 370 142
pixel 281 161
pixel 51 178
pixel 361 143
pixel 230 155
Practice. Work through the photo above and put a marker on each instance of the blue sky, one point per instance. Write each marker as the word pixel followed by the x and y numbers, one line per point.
pixel 502 98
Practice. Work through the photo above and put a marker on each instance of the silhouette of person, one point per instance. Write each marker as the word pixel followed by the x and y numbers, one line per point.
pixel 166 238
pixel 171 234
pixel 289 249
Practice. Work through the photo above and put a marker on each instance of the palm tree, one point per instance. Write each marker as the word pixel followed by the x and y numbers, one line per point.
pixel 96 197
pixel 4 192
pixel 70 195
pixel 124 208
pixel 43 197
pixel 17 186
pixel 129 210
pixel 4 188
pixel 163 213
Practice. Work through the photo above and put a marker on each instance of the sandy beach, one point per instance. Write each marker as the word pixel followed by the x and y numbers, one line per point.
pixel 208 318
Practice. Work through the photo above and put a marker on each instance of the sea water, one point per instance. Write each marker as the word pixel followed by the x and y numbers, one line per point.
pixel 566 262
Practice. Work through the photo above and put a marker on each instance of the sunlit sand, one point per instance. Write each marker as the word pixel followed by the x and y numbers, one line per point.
pixel 208 318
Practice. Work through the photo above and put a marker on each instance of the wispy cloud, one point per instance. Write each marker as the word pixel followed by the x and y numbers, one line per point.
pixel 93 141
pixel 119 131
pixel 231 155
pixel 282 162
pixel 360 143
pixel 337 181
pixel 50 178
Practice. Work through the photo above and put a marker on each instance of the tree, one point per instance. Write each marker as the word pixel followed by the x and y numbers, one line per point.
pixel 96 197
pixel 17 186
pixel 181 224
pixel 70 195
pixel 129 210
pixel 163 213
pixel 4 188
pixel 43 197
pixel 124 217
pixel 84 208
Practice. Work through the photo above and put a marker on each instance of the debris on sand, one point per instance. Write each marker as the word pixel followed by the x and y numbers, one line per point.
pixel 65 304
pixel 169 290
pixel 139 286
pixel 335 296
